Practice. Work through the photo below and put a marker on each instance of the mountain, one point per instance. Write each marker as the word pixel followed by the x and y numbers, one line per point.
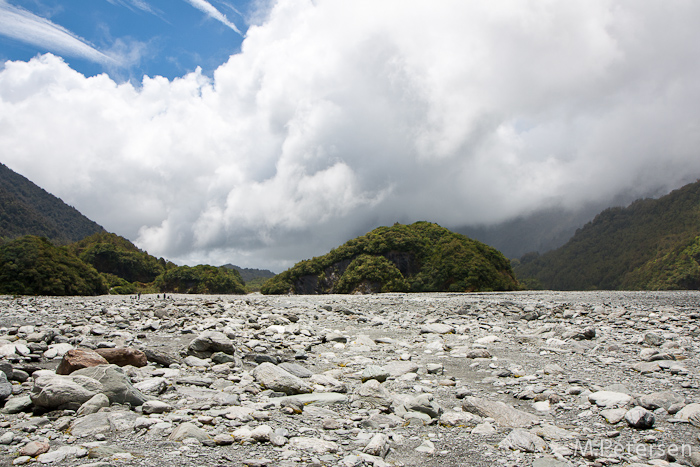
pixel 420 257
pixel 26 209
pixel 254 278
pixel 540 231
pixel 548 228
pixel 652 244
pixel 49 248
pixel 250 274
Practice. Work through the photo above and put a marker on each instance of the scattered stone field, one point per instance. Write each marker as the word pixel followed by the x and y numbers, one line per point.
pixel 545 379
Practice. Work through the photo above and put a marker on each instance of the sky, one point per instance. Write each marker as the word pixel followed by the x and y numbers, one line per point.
pixel 264 132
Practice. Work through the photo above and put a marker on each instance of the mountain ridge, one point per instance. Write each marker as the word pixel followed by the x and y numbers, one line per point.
pixel 27 209
pixel 649 245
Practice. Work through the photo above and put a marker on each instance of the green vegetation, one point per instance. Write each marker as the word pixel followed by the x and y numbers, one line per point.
pixel 33 266
pixel 420 257
pixel 650 245
pixel 102 263
pixel 115 255
pixel 201 279
pixel 26 209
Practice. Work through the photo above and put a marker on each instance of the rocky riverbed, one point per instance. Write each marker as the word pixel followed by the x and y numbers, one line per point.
pixel 510 379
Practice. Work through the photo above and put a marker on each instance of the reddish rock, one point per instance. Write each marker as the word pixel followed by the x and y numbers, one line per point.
pixel 76 359
pixel 34 448
pixel 124 356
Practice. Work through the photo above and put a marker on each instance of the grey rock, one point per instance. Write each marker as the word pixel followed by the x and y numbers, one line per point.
pixel 436 328
pixel 273 377
pixel 374 372
pixel 653 339
pixel 5 387
pixel 17 404
pixel 7 369
pixel 523 440
pixel 221 357
pixel 426 404
pixel 103 423
pixel 664 400
pixel 161 357
pixel 690 413
pixel 373 389
pixel 155 406
pixel 117 385
pixel 296 369
pixel 315 445
pixel 7 438
pixel 478 353
pixel 502 413
pixel 188 430
pixel 209 342
pixel 400 368
pixel 640 418
pixel 315 398
pixel 609 399
pixel 193 361
pixel 64 392
pixel 155 385
pixel 613 416
pixel 426 447
pixel 93 405
pixel 378 445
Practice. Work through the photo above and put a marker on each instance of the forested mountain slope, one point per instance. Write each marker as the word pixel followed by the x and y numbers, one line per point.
pixel 650 245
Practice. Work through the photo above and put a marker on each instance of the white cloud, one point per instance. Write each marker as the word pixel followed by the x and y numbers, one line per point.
pixel 337 117
pixel 138 4
pixel 211 11
pixel 24 26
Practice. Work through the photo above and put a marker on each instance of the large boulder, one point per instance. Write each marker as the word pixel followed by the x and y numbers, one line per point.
pixel 64 392
pixel 502 413
pixel 124 356
pixel 75 359
pixel 116 385
pixel 665 400
pixel 273 377
pixel 209 342
pixel 103 423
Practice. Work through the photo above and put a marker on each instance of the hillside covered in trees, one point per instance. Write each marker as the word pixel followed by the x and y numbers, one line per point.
pixel 653 244
pixel 420 257
pixel 26 209
pixel 103 263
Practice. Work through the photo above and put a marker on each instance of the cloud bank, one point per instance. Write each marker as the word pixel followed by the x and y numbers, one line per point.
pixel 337 117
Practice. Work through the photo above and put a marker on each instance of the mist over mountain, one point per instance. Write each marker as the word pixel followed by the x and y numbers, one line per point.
pixel 547 229
pixel 651 244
